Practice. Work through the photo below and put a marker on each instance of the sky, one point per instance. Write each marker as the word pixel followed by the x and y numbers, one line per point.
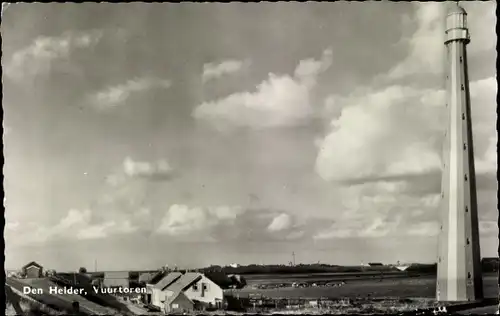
pixel 138 135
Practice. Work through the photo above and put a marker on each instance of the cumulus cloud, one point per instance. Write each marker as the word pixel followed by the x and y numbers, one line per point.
pixel 159 169
pixel 280 222
pixel 426 43
pixel 216 70
pixel 426 48
pixel 388 209
pixel 231 224
pixel 277 101
pixel 75 225
pixel 182 219
pixel 42 55
pixel 114 96
pixel 396 130
pixel 382 133
pixel 384 150
pixel 378 209
pixel 119 210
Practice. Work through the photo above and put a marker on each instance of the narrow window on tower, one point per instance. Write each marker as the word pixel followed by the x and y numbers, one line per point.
pixel 465 177
pixel 466 209
pixel 463 116
pixel 461 59
pixel 465 146
pixel 469 275
pixel 462 86
pixel 468 241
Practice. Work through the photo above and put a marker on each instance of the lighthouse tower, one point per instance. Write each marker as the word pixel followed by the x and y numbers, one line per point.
pixel 459 268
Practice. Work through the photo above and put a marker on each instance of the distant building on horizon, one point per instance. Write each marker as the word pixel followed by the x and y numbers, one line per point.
pixel 32 270
pixel 116 279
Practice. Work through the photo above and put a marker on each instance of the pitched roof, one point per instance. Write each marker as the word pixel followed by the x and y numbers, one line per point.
pixel 167 280
pixel 157 277
pixel 32 263
pixel 172 298
pixel 184 282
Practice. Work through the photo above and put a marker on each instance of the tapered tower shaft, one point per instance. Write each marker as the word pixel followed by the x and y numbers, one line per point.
pixel 459 276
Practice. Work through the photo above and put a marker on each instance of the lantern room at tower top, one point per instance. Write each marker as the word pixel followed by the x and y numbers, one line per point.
pixel 456 24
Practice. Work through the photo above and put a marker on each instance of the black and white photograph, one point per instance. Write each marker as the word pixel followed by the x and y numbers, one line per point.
pixel 250 158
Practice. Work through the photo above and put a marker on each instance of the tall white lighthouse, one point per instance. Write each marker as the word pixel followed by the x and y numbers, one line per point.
pixel 459 276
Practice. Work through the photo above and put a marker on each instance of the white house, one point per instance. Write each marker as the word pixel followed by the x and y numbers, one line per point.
pixel 156 291
pixel 176 292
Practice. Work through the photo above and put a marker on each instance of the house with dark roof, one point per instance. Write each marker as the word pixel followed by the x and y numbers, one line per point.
pixel 33 270
pixel 178 292
pixel 156 291
pixel 199 289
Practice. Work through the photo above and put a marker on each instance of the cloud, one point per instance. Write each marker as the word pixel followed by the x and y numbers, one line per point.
pixel 389 209
pixel 117 210
pixel 396 129
pixel 182 220
pixel 389 132
pixel 378 209
pixel 114 96
pixel 426 48
pixel 278 101
pixel 234 223
pixel 158 169
pixel 430 228
pixel 42 55
pixel 280 222
pixel 75 225
pixel 214 71
pixel 426 43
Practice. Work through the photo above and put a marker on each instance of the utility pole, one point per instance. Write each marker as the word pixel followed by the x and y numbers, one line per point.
pixel 293 258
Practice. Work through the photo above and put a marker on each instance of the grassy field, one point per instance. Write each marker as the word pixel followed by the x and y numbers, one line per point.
pixel 421 287
pixel 326 277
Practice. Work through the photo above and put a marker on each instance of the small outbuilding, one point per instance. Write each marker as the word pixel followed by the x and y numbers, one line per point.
pixel 33 270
